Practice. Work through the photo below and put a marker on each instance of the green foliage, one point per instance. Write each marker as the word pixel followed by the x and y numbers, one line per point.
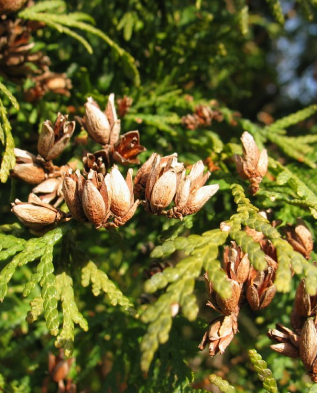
pixel 221 384
pixel 265 375
pixel 277 10
pixel 8 159
pixel 9 95
pixel 101 282
pixel 64 23
pixel 203 253
pixel 71 315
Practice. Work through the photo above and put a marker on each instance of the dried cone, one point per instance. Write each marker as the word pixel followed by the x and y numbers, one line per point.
pixel 98 162
pixel 308 348
pixel 202 117
pixel 128 147
pixel 103 127
pixel 260 286
pixel 253 164
pixel 305 305
pixel 288 341
pixel 236 263
pixel 28 168
pixel 72 189
pixel 49 82
pixel 8 6
pixel 36 214
pixel 96 199
pixel 122 206
pixel 50 190
pixel 224 306
pixel 53 138
pixel 300 238
pixel 191 194
pixel 219 334
pixel 157 180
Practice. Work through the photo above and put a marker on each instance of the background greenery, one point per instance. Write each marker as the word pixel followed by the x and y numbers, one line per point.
pixel 258 61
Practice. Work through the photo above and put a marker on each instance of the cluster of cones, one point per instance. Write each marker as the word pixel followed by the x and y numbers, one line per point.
pixel 100 194
pixel 257 289
pixel 202 117
pixel 301 340
pixel 19 61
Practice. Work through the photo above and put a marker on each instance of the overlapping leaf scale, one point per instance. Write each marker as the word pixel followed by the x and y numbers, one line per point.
pixel 265 374
pixel 221 384
pixel 180 283
pixel 49 292
pixel 101 283
pixel 71 314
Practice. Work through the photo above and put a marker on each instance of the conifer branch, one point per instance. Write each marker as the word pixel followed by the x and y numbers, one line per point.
pixel 292 119
pixel 277 11
pixel 101 282
pixel 71 315
pixel 9 95
pixel 265 374
pixel 305 195
pixel 36 309
pixel 49 292
pixel 64 22
pixel 8 160
pixel 222 384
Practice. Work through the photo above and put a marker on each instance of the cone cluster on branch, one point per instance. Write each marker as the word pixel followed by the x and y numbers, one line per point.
pixel 301 340
pixel 247 286
pixel 18 61
pixel 100 194
pixel 258 290
pixel 202 117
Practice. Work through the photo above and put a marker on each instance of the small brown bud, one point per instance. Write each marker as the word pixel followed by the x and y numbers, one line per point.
pixel 58 366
